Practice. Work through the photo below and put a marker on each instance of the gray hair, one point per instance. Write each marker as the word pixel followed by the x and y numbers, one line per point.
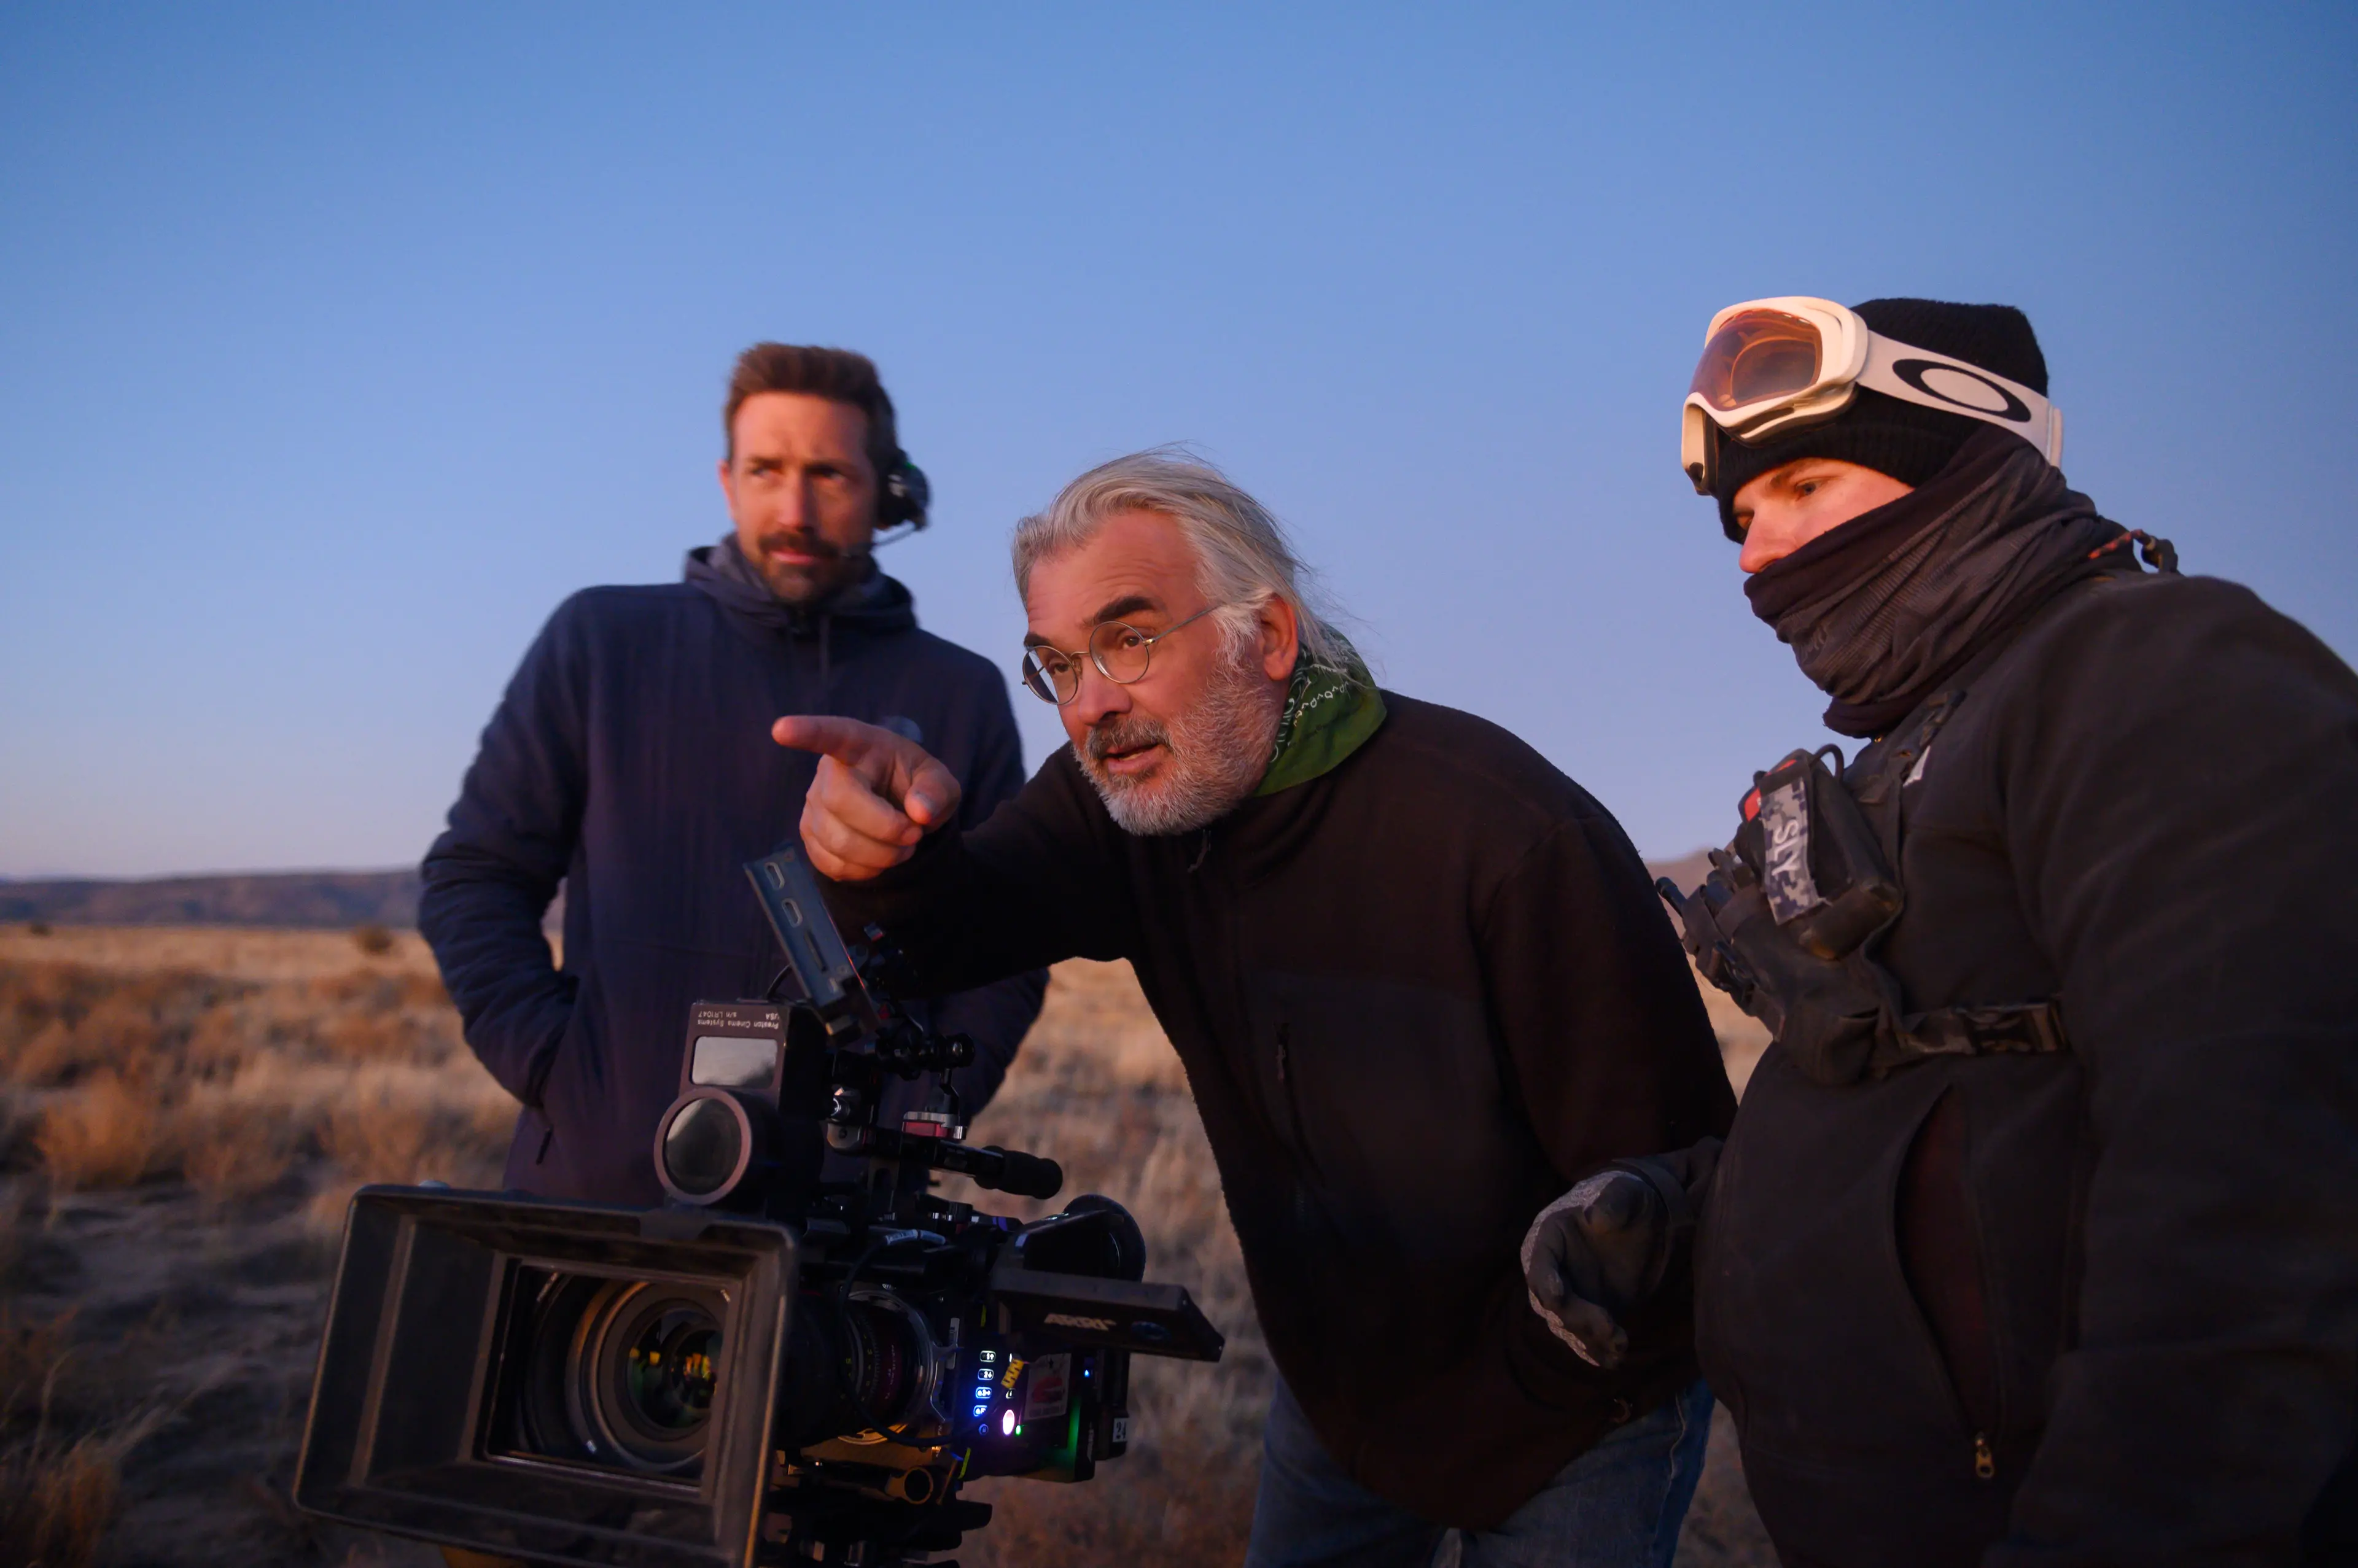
pixel 1244 558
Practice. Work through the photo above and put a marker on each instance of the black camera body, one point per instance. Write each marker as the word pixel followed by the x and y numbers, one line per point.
pixel 782 1364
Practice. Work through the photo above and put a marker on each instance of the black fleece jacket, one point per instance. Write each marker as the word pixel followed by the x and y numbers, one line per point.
pixel 2098 1308
pixel 1415 996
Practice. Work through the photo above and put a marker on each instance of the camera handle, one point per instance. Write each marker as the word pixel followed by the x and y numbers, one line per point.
pixel 1000 1170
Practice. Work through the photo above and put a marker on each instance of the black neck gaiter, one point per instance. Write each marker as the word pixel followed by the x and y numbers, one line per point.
pixel 1881 610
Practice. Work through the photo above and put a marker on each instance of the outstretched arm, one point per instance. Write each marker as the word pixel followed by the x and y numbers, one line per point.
pixel 1038 882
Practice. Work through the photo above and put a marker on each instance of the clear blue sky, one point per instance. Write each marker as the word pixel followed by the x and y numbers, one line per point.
pixel 338 343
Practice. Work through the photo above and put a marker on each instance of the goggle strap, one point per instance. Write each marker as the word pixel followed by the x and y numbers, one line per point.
pixel 1926 379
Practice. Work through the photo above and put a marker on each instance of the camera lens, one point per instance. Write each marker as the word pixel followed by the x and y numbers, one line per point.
pixel 668 1371
pixel 880 1362
pixel 704 1146
pixel 867 1362
pixel 616 1373
pixel 647 1367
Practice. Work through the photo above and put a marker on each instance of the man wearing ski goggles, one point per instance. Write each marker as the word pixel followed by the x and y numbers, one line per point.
pixel 2036 1239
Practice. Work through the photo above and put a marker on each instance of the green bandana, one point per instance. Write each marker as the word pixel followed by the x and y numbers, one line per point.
pixel 1329 714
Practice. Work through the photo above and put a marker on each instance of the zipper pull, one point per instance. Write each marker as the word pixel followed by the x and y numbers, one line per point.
pixel 1285 1034
pixel 1985 1461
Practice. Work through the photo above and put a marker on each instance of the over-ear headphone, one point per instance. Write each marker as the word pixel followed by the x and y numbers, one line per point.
pixel 905 495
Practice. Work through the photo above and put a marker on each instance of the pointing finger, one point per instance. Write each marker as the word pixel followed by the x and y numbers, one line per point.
pixel 933 794
pixel 842 797
pixel 846 739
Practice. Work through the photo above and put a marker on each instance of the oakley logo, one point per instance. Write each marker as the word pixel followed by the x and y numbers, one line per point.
pixel 1955 383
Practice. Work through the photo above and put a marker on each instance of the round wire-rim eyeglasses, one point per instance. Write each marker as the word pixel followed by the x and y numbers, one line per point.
pixel 1114 647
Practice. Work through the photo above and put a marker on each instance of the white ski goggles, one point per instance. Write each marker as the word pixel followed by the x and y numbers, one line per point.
pixel 1773 366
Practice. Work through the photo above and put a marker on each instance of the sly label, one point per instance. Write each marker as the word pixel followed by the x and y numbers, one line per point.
pixel 1785 850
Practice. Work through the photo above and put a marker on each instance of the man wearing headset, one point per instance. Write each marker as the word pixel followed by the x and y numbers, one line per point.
pixel 2036 1239
pixel 630 760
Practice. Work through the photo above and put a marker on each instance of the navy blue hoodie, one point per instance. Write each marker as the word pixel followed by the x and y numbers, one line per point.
pixel 631 759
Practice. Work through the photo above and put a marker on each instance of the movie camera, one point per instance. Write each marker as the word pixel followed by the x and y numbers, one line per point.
pixel 775 1367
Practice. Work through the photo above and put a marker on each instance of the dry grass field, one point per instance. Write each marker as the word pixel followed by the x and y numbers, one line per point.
pixel 184 1112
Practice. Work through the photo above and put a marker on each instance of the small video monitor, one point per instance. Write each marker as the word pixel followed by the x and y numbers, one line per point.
pixel 734 1045
pixel 734 1062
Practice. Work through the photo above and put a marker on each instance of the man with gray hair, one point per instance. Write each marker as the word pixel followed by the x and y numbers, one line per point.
pixel 1419 980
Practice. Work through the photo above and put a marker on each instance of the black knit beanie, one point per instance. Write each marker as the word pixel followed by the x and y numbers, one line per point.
pixel 1906 440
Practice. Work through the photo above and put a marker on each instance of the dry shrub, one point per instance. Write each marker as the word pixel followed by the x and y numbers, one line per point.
pixel 223 1038
pixel 362 988
pixel 30 1348
pixel 12 1205
pixel 231 1150
pixel 391 1140
pixel 55 1506
pixel 104 1134
pixel 435 1040
pixel 61 1022
pixel 491 1126
pixel 122 1029
pixel 56 1499
pixel 398 1140
pixel 366 1037
pixel 1097 1024
pixel 1117 1518
pixel 47 989
pixel 141 1017
pixel 423 990
pixel 39 1006
pixel 227 1170
pixel 27 1006
pixel 373 939
pixel 51 1056
pixel 39 986
pixel 381 1142
pixel 36 928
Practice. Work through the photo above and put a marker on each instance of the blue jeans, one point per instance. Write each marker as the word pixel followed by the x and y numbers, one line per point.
pixel 1618 1506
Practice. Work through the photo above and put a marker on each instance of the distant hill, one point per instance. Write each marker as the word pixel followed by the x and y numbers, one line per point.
pixel 276 898
pixel 331 899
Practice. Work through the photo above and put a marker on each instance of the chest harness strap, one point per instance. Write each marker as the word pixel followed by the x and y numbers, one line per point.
pixel 1795 909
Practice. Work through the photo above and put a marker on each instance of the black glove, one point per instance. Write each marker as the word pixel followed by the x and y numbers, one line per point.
pixel 1601 1251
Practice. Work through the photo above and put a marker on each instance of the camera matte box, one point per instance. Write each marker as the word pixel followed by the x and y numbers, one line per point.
pixel 401 1407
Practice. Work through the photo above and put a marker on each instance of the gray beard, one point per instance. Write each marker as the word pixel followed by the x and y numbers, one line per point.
pixel 1218 754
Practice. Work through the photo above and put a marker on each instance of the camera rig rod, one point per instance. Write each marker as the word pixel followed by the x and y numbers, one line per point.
pixel 1001 1170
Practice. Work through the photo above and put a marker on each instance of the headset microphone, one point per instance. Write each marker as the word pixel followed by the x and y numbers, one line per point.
pixel 906 494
